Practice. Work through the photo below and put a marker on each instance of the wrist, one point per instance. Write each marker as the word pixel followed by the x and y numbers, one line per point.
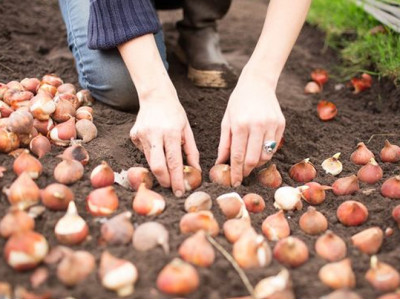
pixel 260 73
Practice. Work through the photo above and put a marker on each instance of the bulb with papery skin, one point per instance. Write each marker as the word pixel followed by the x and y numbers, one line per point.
pixel 315 194
pixel 391 188
pixel 20 121
pixel 42 107
pixel 201 220
pixel 254 203
pixel 330 246
pixel 5 110
pixel 312 88
pixel 17 99
pixel 150 235
pixel 27 163
pixel 198 201
pixel 14 221
pixel 118 230
pixel 75 267
pixel 102 175
pixel 368 241
pixel 68 171
pixel 276 227
pixel 102 201
pixel 234 228
pixel 326 110
pixel 320 76
pixel 66 88
pixel 40 145
pixel 62 133
pixel 396 214
pixel 71 229
pixel 338 275
pixel 303 171
pixel 77 152
pixel 332 165
pixel 9 141
pixel 197 250
pixel 43 127
pixel 275 287
pixel 25 250
pixel 289 198
pixel 362 155
pixel 221 175
pixel 346 186
pixel 270 177
pixel 178 278
pixel 117 274
pixel 382 276
pixel 57 196
pixel 390 153
pixel 30 84
pixel 291 252
pixel 52 79
pixel 84 112
pixel 71 98
pixel 139 175
pixel 370 173
pixel 251 250
pixel 64 110
pixel 85 98
pixel 313 222
pixel 86 130
pixel 191 178
pixel 232 206
pixel 352 213
pixel 147 202
pixel 23 192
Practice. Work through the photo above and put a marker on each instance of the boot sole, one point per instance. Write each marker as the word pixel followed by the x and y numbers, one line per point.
pixel 201 78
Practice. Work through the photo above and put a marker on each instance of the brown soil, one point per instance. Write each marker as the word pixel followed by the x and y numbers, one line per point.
pixel 33 42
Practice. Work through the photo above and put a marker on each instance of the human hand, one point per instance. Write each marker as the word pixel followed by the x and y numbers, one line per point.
pixel 160 131
pixel 253 116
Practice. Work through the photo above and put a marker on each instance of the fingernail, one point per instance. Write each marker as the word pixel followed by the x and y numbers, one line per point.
pixel 178 194
pixel 237 183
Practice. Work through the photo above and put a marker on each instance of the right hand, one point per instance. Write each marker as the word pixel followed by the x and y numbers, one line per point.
pixel 160 131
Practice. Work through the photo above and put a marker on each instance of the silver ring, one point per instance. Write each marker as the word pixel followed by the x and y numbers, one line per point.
pixel 269 146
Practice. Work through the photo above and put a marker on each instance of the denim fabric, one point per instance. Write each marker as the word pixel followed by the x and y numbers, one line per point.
pixel 103 72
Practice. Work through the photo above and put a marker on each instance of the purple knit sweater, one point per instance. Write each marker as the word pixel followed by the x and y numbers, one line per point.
pixel 113 22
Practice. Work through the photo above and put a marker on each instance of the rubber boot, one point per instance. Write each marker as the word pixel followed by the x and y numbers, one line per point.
pixel 199 43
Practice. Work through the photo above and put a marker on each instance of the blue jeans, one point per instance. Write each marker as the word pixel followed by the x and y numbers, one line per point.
pixel 102 72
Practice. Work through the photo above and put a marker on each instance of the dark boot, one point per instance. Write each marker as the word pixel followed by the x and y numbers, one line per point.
pixel 198 43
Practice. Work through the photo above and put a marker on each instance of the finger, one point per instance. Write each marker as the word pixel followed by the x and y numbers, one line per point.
pixel 146 150
pixel 157 161
pixel 173 153
pixel 279 135
pixel 253 152
pixel 135 138
pixel 238 152
pixel 269 136
pixel 224 144
pixel 190 148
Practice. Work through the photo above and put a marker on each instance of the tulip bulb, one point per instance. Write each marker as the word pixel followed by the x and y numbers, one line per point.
pixel 289 198
pixel 391 188
pixel 368 241
pixel 20 121
pixel 234 228
pixel 326 110
pixel 66 88
pixel 315 194
pixel 71 98
pixel 9 141
pixel 25 250
pixel 117 274
pixel 275 287
pixel 57 196
pixel 221 175
pixel 64 110
pixel 56 254
pixel 17 99
pixel 75 267
pixel 201 220
pixel 291 252
pixel 178 278
pixel 313 222
pixel 198 201
pixel 338 275
pixel 27 163
pixel 85 98
pixel 5 110
pixel 270 177
pixel 346 186
pixel 332 165
pixel 86 130
pixel 42 106
pixel 118 230
pixel 370 173
pixel 43 127
pixel 197 250
pixel 71 229
pixel 15 85
pixel 251 250
pixel 312 88
pixel 84 112
pixel 52 79
pixel 102 201
pixel 396 214
pixel 15 221
pixel 389 232
pixel 150 235
pixel 38 277
pixel 362 155
pixel 68 171
pixel 303 171
pixel 102 175
pixel 276 227
pixel 330 246
pixel 191 178
pixel 390 153
pixel 232 206
pixel 147 202
pixel 77 152
pixel 40 145
pixel 352 213
pixel 23 192
pixel 320 76
pixel 138 175
pixel 254 202
pixel 30 84
pixel 383 277
pixel 62 133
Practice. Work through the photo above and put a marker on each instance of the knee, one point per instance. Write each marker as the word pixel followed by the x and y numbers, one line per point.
pixel 109 82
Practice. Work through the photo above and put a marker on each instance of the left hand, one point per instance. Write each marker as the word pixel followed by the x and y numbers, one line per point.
pixel 253 116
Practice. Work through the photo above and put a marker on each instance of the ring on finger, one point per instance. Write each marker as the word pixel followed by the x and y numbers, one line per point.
pixel 269 146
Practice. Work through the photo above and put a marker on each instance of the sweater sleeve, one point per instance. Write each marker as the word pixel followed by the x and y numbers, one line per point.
pixel 113 22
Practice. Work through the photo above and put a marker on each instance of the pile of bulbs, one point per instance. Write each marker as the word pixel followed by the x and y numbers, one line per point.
pixel 26 249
